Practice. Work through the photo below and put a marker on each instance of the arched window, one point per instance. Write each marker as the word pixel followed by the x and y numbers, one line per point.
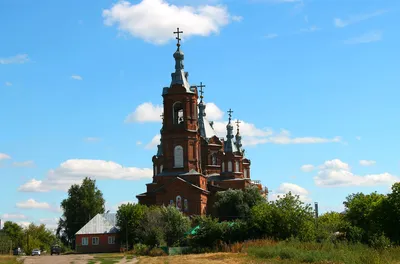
pixel 229 166
pixel 214 159
pixel 222 167
pixel 178 113
pixel 237 168
pixel 178 157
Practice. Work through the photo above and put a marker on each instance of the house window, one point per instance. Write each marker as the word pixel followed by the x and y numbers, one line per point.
pixel 222 167
pixel 111 240
pixel 85 241
pixel 95 241
pixel 178 157
pixel 178 113
pixel 229 166
pixel 237 166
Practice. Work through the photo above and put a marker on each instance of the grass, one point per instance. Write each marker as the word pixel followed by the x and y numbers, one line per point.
pixel 110 258
pixel 209 258
pixel 9 260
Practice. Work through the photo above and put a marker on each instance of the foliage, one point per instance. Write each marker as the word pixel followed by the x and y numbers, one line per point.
pixel 141 249
pixel 175 225
pixel 129 217
pixel 14 232
pixel 83 203
pixel 38 236
pixel 233 204
pixel 208 234
pixel 151 230
pixel 391 207
pixel 330 226
pixel 6 243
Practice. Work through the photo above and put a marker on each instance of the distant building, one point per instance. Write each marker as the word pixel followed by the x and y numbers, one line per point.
pixel 99 235
pixel 192 163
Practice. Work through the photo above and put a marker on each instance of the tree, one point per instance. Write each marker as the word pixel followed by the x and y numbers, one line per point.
pixel 232 204
pixel 38 236
pixel 366 213
pixel 208 234
pixel 14 232
pixel 330 223
pixel 83 203
pixel 175 225
pixel 391 206
pixel 129 217
pixel 151 230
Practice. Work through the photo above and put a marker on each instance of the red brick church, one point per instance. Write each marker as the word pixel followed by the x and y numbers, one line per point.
pixel 192 162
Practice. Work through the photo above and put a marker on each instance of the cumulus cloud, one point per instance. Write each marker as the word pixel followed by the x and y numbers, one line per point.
pixel 76 77
pixel 33 204
pixel 114 208
pixel 372 36
pixel 17 59
pixel 4 156
pixel 28 163
pixel 336 173
pixel 13 216
pixel 73 171
pixel 251 134
pixel 341 23
pixel 295 189
pixel 367 162
pixel 307 167
pixel 155 20
pixel 146 112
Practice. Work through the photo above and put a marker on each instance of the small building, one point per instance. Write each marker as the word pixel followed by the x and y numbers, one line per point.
pixel 99 235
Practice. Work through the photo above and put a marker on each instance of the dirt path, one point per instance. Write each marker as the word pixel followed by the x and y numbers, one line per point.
pixel 67 259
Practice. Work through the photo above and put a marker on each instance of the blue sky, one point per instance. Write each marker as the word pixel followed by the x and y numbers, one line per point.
pixel 315 84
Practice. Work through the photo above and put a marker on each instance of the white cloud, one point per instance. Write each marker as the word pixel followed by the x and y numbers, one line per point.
pixel 336 173
pixel 4 156
pixel 307 168
pixel 372 36
pixel 271 36
pixel 13 216
pixel 33 204
pixel 295 189
pixel 7 83
pixel 146 112
pixel 367 162
pixel 310 29
pixel 252 135
pixel 73 171
pixel 23 223
pixel 17 59
pixel 340 23
pixel 92 139
pixel 28 163
pixel 76 77
pixel 114 208
pixel 154 142
pixel 50 223
pixel 155 20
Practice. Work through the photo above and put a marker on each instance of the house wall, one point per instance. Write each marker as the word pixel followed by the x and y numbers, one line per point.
pixel 102 247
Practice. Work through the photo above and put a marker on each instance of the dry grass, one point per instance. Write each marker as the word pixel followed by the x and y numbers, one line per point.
pixel 210 258
pixel 8 260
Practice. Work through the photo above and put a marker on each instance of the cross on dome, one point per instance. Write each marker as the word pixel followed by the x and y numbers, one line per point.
pixel 178 34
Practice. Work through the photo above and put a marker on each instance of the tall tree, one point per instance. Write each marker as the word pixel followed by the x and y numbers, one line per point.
pixel 15 232
pixel 129 217
pixel 83 203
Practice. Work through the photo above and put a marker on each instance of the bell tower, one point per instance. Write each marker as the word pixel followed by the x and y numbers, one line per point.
pixel 180 141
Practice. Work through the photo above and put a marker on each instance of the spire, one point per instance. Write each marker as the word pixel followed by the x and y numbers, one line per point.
pixel 229 146
pixel 202 112
pixel 238 137
pixel 159 147
pixel 179 76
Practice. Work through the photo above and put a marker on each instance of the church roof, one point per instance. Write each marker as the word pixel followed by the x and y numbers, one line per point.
pixel 209 132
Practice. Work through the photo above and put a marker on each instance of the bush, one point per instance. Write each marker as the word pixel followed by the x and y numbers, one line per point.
pixel 379 242
pixel 141 250
pixel 156 252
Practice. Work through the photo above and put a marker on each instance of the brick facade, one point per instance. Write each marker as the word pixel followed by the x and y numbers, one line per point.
pixel 103 246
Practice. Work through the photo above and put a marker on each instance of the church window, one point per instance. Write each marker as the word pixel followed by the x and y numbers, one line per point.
pixel 214 159
pixel 229 166
pixel 222 167
pixel 178 157
pixel 245 173
pixel 178 113
pixel 237 166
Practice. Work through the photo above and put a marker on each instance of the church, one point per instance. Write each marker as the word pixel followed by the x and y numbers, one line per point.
pixel 192 163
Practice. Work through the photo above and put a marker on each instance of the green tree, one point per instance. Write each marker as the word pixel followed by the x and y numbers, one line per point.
pixel 330 223
pixel 232 204
pixel 365 211
pixel 391 208
pixel 175 225
pixel 209 233
pixel 129 217
pixel 38 236
pixel 151 229
pixel 14 232
pixel 83 203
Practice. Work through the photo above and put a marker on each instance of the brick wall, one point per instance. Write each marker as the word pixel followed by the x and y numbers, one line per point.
pixel 102 247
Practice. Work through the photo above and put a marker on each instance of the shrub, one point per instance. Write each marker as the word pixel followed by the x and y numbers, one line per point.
pixel 141 250
pixel 156 252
